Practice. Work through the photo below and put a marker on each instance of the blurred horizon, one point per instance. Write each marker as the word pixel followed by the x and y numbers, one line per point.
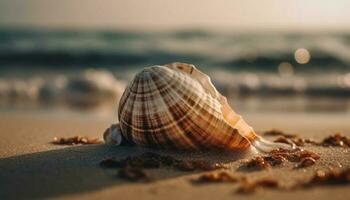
pixel 159 15
pixel 276 31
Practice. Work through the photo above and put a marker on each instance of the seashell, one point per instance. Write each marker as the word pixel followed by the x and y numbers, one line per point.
pixel 176 106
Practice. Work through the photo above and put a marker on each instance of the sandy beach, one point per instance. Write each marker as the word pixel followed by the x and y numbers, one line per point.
pixel 31 167
pixel 69 70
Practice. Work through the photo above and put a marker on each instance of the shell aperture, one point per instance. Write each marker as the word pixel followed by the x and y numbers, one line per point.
pixel 176 106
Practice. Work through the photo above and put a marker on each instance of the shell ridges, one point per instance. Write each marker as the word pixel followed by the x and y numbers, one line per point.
pixel 166 106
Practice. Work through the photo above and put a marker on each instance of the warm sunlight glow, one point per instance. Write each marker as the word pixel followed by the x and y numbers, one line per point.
pixel 285 69
pixel 302 56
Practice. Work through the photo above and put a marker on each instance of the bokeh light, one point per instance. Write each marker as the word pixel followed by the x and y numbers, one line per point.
pixel 302 56
pixel 347 80
pixel 285 69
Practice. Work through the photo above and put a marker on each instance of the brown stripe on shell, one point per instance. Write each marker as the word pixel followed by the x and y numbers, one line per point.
pixel 206 132
pixel 123 100
pixel 180 115
pixel 147 136
pixel 237 137
pixel 160 73
pixel 174 138
pixel 142 130
pixel 183 117
pixel 201 134
pixel 160 137
pixel 128 111
pixel 125 114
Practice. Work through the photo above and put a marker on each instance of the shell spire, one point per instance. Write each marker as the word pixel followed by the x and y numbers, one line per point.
pixel 177 106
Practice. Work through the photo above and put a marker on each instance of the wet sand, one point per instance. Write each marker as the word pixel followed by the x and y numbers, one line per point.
pixel 30 167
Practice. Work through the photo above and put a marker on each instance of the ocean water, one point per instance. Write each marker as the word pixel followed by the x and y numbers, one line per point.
pixel 257 71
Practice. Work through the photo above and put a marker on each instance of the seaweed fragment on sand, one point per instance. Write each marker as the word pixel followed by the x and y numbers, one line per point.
pixel 295 141
pixel 280 156
pixel 336 139
pixel 216 177
pixel 133 165
pixel 75 140
pixel 331 177
pixel 258 162
pixel 320 178
pixel 186 165
pixel 147 160
pixel 306 162
pixel 134 174
pixel 276 132
pixel 247 187
pixel 295 155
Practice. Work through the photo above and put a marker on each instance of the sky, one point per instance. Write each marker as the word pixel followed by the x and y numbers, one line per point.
pixel 239 15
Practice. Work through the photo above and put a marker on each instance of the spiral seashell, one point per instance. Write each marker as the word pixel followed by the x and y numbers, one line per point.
pixel 176 106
